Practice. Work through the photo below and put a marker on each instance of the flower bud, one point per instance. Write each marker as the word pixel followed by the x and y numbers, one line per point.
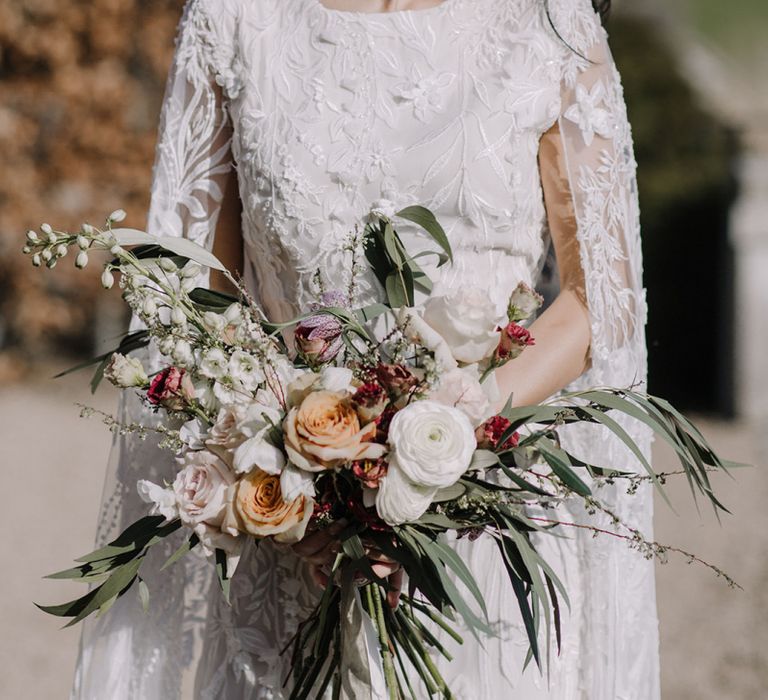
pixel 37 260
pixel 83 243
pixel 116 249
pixel 178 317
pixel 51 263
pixel 88 230
pixel 182 353
pixel 81 260
pixel 188 284
pixel 26 250
pixel 191 270
pixel 167 265
pixel 149 307
pixel 107 278
pixel 32 237
pixel 61 250
pixel 167 344
pixel 117 216
pixel 47 255
pixel 46 229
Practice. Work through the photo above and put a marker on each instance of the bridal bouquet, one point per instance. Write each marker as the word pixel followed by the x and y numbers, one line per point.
pixel 376 419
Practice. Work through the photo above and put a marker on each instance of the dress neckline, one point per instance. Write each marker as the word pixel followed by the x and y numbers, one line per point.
pixel 425 11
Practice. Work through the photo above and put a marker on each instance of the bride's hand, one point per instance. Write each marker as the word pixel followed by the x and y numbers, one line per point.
pixel 319 550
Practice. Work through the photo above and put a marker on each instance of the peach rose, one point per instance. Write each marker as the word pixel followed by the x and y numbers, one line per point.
pixel 324 431
pixel 259 509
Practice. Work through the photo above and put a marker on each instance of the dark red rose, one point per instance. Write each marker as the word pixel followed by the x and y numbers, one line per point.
pixel 396 379
pixel 370 471
pixel 370 400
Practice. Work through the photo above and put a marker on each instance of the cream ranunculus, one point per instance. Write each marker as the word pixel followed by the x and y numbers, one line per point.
pixel 258 508
pixel 324 431
pixel 467 319
pixel 399 500
pixel 461 388
pixel 433 444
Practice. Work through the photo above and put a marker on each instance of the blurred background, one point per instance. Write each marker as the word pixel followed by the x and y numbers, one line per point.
pixel 80 91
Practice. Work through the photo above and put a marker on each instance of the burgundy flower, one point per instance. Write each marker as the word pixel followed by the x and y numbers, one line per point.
pixel 367 516
pixel 370 400
pixel 318 338
pixel 172 389
pixel 514 339
pixel 382 423
pixel 490 432
pixel 370 471
pixel 396 379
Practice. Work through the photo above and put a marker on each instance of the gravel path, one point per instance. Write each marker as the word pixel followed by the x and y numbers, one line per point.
pixel 714 640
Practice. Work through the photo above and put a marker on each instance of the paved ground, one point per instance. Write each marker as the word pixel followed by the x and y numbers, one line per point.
pixel 714 640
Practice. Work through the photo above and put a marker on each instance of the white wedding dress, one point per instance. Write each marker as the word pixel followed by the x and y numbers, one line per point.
pixel 322 113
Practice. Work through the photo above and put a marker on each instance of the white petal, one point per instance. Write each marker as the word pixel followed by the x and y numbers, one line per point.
pixel 296 482
pixel 257 452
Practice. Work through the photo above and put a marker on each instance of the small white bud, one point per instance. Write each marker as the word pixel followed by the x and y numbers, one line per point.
pixel 81 260
pixel 107 278
pixel 188 284
pixel 47 255
pixel 46 229
pixel 37 260
pixel 52 238
pixel 178 317
pixel 191 269
pixel 234 313
pixel 149 307
pixel 182 353
pixel 61 250
pixel 88 230
pixel 32 237
pixel 116 249
pixel 83 243
pixel 167 344
pixel 168 265
pixel 118 215
pixel 26 250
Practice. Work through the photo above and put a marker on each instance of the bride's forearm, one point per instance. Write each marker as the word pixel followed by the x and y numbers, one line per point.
pixel 560 355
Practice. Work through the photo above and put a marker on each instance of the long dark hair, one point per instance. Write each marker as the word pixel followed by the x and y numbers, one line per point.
pixel 603 7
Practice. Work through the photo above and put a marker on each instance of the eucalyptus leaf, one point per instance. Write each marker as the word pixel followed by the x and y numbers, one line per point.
pixel 421 216
pixel 191 250
pixel 132 236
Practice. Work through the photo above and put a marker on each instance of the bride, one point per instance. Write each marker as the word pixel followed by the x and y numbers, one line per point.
pixel 284 123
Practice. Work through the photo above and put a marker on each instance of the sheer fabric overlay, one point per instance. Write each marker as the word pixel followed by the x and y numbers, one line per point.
pixel 479 110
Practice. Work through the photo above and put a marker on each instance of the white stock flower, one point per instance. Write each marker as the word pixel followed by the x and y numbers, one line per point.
pixel 467 318
pixel 163 500
pixel 182 353
pixel 433 444
pixel 125 372
pixel 461 389
pixel 214 364
pixel 245 368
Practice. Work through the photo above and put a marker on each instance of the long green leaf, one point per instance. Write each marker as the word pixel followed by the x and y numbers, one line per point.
pixel 421 216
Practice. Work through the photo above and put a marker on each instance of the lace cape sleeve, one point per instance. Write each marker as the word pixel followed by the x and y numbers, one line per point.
pixel 128 654
pixel 588 175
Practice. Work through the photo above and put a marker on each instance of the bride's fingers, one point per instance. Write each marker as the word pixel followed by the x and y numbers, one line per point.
pixel 318 540
pixel 395 588
pixel 384 569
pixel 318 575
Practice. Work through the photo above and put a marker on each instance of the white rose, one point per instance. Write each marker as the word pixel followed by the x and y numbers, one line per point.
pixel 433 444
pixel 201 489
pixel 399 500
pixel 461 389
pixel 418 331
pixel 125 372
pixel 467 319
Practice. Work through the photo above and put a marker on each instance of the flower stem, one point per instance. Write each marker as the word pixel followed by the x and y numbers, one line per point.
pixel 373 595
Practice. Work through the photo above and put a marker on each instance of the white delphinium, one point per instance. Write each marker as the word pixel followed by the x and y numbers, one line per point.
pixel 214 364
pixel 245 369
